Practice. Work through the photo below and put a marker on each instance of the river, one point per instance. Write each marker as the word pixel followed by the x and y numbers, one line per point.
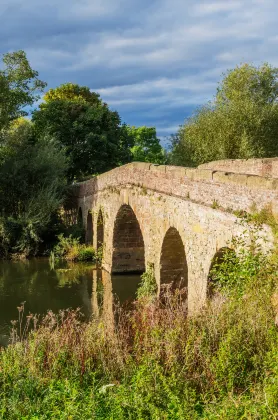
pixel 43 287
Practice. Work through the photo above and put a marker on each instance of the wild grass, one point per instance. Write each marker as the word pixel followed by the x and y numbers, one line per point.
pixel 156 362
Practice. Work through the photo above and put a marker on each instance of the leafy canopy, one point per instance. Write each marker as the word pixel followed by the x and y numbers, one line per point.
pixel 146 146
pixel 91 134
pixel 241 121
pixel 19 87
pixel 72 92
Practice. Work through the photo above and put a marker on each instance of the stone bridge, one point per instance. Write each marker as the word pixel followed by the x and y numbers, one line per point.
pixel 177 219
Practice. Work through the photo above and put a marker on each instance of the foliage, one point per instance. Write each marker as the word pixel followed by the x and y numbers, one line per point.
pixel 241 121
pixel 90 133
pixel 19 87
pixel 146 146
pixel 34 175
pixel 72 92
pixel 156 363
pixel 147 287
pixel 71 249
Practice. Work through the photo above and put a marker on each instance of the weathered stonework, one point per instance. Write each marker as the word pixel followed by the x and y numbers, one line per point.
pixel 175 218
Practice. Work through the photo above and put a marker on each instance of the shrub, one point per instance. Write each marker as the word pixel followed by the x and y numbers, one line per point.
pixel 147 287
pixel 71 249
pixel 86 253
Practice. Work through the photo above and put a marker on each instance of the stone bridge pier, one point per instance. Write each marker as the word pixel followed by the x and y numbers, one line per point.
pixel 176 219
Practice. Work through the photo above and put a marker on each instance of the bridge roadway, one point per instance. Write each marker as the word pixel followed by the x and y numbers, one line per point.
pixel 177 219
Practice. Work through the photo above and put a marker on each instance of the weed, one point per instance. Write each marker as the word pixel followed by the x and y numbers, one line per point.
pixel 144 191
pixel 215 204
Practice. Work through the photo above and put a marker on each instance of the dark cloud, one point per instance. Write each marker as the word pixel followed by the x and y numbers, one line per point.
pixel 152 61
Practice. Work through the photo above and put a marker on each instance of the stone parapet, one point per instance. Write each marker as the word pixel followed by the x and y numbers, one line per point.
pixel 262 167
pixel 205 184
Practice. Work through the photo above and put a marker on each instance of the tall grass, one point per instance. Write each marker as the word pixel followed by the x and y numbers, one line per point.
pixel 157 363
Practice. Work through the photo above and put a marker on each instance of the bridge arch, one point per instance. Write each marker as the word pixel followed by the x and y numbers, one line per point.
pixel 100 230
pixel 173 263
pixel 89 228
pixel 128 243
pixel 222 255
pixel 80 217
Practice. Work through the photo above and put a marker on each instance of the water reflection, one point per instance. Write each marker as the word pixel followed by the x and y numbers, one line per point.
pixel 43 287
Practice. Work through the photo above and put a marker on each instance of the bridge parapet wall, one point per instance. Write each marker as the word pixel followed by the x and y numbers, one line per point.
pixel 262 167
pixel 203 185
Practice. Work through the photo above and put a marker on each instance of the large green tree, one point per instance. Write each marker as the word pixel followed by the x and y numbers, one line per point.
pixel 146 146
pixel 240 122
pixel 90 133
pixel 19 87
pixel 32 182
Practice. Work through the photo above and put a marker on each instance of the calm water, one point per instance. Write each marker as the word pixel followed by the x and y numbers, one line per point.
pixel 43 287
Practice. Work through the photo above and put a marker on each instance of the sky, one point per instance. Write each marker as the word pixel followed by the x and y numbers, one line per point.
pixel 154 61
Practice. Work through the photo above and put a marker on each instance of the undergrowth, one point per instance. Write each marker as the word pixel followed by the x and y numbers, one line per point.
pixel 156 363
pixel 70 249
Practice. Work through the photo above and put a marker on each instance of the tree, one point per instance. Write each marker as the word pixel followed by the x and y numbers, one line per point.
pixel 73 92
pixel 91 134
pixel 19 87
pixel 33 174
pixel 146 146
pixel 240 122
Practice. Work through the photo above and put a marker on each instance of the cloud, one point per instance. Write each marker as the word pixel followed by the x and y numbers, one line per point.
pixel 154 62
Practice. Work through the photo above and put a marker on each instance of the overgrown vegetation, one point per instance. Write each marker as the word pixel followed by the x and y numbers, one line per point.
pixel 147 288
pixel 70 249
pixel 156 363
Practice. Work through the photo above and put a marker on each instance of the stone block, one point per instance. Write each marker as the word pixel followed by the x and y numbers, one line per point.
pixel 240 179
pixel 189 172
pixel 273 183
pixel 176 171
pixel 141 165
pixel 254 181
pixel 220 177
pixel 158 168
pixel 201 174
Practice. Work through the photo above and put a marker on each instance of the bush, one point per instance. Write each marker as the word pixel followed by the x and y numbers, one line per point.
pixel 71 249
pixel 147 287
pixel 86 253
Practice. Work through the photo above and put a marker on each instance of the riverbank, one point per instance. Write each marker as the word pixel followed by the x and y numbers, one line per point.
pixel 155 363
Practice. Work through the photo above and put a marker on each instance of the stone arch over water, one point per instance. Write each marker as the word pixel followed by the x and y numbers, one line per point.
pixel 89 228
pixel 80 217
pixel 128 243
pixel 100 230
pixel 173 264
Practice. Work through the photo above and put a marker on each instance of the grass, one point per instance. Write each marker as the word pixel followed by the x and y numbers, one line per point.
pixel 156 363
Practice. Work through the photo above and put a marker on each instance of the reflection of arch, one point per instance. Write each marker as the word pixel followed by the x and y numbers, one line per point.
pixel 222 255
pixel 173 265
pixel 89 229
pixel 100 230
pixel 80 217
pixel 128 243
